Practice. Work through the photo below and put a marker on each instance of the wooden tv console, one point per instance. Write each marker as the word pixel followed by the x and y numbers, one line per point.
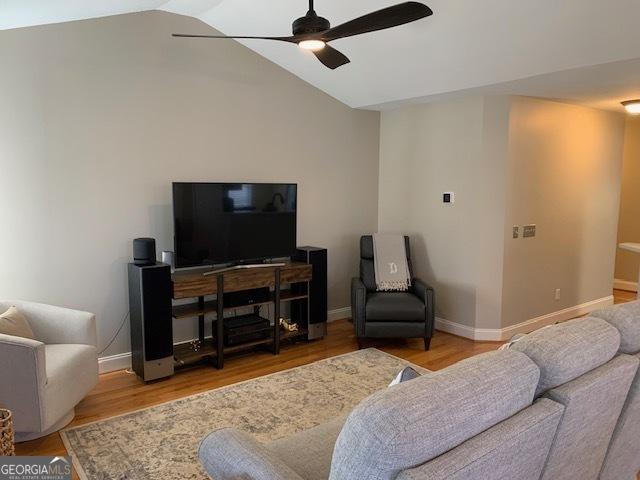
pixel 198 284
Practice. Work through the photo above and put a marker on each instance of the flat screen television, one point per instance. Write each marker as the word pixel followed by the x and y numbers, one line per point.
pixel 217 223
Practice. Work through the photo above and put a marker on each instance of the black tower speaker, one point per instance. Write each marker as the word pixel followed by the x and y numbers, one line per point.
pixel 144 251
pixel 313 311
pixel 151 321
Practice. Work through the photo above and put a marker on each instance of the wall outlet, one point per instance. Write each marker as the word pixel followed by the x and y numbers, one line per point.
pixel 516 231
pixel 557 294
pixel 528 231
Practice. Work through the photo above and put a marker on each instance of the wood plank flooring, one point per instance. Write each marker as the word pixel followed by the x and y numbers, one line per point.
pixel 121 392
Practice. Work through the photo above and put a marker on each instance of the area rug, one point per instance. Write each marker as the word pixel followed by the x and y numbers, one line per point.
pixel 161 442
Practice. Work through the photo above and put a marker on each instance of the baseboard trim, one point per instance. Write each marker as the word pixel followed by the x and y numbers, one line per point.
pixel 455 328
pixel 625 285
pixel 122 361
pixel 503 334
pixel 111 363
pixel 339 314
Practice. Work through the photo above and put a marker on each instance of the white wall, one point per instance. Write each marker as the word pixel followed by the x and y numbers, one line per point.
pixel 98 117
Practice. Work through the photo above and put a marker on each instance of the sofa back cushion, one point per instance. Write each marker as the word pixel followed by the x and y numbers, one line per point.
pixel 568 350
pixel 626 318
pixel 623 455
pixel 516 448
pixel 409 424
pixel 593 403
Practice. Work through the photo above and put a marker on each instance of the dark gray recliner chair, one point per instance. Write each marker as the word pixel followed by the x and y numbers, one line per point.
pixel 377 314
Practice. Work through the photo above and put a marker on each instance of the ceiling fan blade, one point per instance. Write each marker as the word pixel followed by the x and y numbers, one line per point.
pixel 282 39
pixel 331 57
pixel 386 18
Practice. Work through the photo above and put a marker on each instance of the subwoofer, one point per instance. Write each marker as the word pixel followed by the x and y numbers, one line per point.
pixel 312 312
pixel 151 320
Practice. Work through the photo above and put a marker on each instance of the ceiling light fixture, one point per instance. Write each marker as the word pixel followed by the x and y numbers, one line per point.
pixel 632 106
pixel 314 33
pixel 313 45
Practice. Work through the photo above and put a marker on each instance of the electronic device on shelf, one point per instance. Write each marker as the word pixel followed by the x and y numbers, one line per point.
pixel 218 223
pixel 245 298
pixel 245 328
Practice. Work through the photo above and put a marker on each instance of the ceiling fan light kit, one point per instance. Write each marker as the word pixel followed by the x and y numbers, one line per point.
pixel 632 106
pixel 313 45
pixel 313 32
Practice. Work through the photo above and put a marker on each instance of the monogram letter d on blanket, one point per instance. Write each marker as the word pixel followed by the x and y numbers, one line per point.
pixel 390 263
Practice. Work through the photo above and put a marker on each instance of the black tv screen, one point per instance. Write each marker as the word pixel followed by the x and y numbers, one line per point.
pixel 231 222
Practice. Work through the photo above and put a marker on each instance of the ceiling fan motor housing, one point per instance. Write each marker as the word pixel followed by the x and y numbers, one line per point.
pixel 309 24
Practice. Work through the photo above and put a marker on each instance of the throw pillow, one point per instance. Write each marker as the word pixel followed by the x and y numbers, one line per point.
pixel 519 336
pixel 512 340
pixel 12 322
pixel 405 374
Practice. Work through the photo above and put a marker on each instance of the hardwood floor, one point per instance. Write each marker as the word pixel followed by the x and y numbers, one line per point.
pixel 121 392
pixel 622 296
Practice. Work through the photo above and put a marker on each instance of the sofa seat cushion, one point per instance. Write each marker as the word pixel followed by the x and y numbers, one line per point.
pixel 72 371
pixel 626 318
pixel 308 453
pixel 411 423
pixel 394 306
pixel 568 350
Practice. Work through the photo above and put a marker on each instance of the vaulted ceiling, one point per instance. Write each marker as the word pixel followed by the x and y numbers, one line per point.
pixel 577 50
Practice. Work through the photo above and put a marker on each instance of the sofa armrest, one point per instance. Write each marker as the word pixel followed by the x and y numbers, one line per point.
pixel 229 454
pixel 53 324
pixel 23 377
pixel 427 295
pixel 358 304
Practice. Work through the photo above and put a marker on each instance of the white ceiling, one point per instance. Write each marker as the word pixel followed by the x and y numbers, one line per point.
pixel 578 50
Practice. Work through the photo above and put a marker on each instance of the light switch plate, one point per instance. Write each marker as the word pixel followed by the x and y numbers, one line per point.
pixel 516 231
pixel 448 197
pixel 528 231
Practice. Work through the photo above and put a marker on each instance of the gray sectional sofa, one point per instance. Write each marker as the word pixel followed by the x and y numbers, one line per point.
pixel 560 403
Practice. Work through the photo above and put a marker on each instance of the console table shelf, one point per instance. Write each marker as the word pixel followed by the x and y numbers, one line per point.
pixel 185 355
pixel 195 309
pixel 194 284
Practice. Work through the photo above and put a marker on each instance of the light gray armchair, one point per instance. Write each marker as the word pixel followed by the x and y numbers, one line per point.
pixel 44 379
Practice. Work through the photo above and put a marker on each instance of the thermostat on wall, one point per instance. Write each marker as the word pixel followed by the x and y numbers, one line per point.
pixel 448 197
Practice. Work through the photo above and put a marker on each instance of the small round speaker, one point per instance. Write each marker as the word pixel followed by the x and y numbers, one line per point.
pixel 144 251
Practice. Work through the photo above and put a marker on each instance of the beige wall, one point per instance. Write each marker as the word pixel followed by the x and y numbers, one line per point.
pixel 98 117
pixel 510 161
pixel 627 263
pixel 426 150
pixel 564 176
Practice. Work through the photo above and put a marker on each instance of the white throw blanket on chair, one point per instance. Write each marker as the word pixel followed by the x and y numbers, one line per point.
pixel 390 263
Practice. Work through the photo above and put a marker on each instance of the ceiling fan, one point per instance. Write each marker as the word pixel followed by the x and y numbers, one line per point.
pixel 312 32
